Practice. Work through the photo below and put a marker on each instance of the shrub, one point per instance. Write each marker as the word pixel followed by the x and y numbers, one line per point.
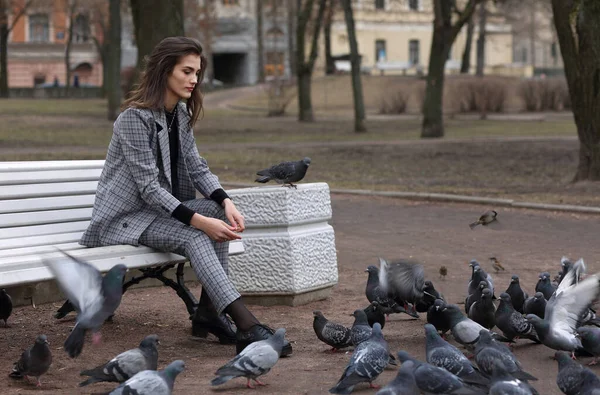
pixel 394 101
pixel 548 94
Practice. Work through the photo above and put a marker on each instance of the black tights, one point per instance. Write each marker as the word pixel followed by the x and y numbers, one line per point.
pixel 237 310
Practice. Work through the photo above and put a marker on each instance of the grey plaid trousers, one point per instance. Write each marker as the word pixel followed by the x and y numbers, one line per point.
pixel 208 258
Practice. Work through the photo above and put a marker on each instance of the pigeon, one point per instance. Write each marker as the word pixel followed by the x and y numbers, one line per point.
pixel 517 295
pixel 361 330
pixel 503 383
pixel 483 311
pixel 478 275
pixel 496 265
pixel 590 340
pixel 430 294
pixel 254 361
pixel 368 360
pixel 6 306
pixel 436 316
pixel 125 365
pixel 402 280
pixel 570 375
pixel 95 297
pixel 544 285
pixel 337 336
pixel 151 382
pixel 512 324
pixel 591 383
pixel 488 352
pixel 535 304
pixel 34 362
pixel 285 173
pixel 387 303
pixel 486 219
pixel 374 314
pixel 444 355
pixel 557 329
pixel 404 382
pixel 475 296
pixel 434 380
pixel 565 265
pixel 443 272
pixel 464 330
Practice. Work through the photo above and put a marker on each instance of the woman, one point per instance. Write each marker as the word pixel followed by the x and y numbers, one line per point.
pixel 146 193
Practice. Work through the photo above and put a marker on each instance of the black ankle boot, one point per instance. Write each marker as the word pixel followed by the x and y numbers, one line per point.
pixel 205 322
pixel 256 333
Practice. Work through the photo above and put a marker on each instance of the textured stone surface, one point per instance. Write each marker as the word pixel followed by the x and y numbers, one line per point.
pixel 289 245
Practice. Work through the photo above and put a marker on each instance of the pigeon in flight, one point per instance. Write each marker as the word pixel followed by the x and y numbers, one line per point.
pixel 286 173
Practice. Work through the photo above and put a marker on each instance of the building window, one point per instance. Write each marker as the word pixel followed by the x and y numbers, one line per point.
pixel 380 53
pixel 413 52
pixel 413 5
pixel 39 28
pixel 524 55
pixel 379 4
pixel 81 29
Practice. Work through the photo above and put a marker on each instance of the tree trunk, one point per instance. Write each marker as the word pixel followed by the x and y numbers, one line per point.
pixel 114 60
pixel 260 41
pixel 4 93
pixel 357 92
pixel 444 35
pixel 579 39
pixel 154 20
pixel 481 40
pixel 71 16
pixel 305 68
pixel 329 64
pixel 291 27
pixel 466 58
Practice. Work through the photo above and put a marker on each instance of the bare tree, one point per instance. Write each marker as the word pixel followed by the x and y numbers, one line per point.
pixel 481 39
pixel 201 20
pixel 260 41
pixel 114 60
pixel 70 12
pixel 10 13
pixel 304 68
pixel 359 104
pixel 329 64
pixel 291 27
pixel 466 58
pixel 445 32
pixel 578 28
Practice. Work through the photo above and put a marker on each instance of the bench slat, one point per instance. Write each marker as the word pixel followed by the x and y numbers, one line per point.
pixel 50 203
pixel 50 229
pixel 33 241
pixel 50 176
pixel 50 165
pixel 45 217
pixel 45 190
pixel 42 249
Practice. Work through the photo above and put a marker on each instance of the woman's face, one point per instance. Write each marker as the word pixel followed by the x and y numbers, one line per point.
pixel 183 79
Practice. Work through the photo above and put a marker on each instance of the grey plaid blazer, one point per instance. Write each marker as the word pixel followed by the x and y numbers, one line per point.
pixel 135 184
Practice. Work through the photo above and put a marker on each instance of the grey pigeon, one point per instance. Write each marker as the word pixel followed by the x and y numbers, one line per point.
pixel 375 314
pixel 151 382
pixel 95 297
pixel 34 361
pixel 361 330
pixel 368 360
pixel 476 295
pixel 437 316
pixel 387 303
pixel 254 361
pixel 6 306
pixel 483 311
pixel 516 293
pixel 590 340
pixel 536 305
pixel 565 265
pixel 544 285
pixel 478 275
pixel 464 330
pixel 488 352
pixel 335 335
pixel 402 279
pixel 444 355
pixel 570 374
pixel 285 173
pixel 404 382
pixel 591 383
pixel 433 380
pixel 503 383
pixel 486 219
pixel 430 294
pixel 125 365
pixel 563 310
pixel 512 324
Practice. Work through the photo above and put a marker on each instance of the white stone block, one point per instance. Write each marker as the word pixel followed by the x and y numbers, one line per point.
pixel 289 244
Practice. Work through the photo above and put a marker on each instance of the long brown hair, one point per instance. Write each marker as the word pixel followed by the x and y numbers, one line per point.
pixel 150 91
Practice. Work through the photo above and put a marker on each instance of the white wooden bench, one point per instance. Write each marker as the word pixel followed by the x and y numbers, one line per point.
pixel 48 204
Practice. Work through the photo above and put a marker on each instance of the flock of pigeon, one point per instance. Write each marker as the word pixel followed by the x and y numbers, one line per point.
pixel 559 316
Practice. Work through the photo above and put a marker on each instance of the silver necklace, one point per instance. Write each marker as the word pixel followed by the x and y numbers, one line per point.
pixel 172 119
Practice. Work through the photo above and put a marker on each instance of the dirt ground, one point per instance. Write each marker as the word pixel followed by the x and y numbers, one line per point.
pixel 436 234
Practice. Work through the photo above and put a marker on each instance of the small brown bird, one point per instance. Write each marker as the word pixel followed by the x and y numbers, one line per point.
pixel 487 218
pixel 443 271
pixel 496 264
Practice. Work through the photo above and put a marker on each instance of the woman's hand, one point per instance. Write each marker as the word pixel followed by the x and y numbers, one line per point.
pixel 214 228
pixel 233 215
